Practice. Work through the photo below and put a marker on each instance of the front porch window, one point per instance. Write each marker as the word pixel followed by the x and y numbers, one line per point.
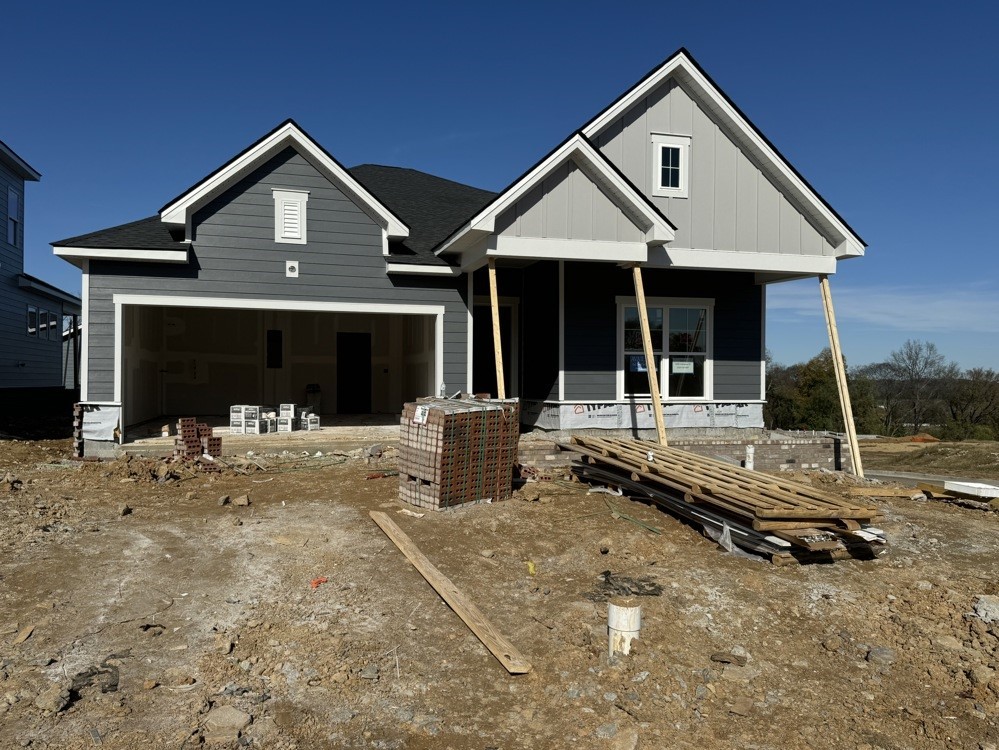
pixel 681 338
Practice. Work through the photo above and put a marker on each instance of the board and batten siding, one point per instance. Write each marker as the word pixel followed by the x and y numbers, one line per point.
pixel 233 254
pixel 732 204
pixel 591 327
pixel 25 361
pixel 568 205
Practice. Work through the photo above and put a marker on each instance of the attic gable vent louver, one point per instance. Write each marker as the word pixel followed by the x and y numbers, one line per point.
pixel 290 216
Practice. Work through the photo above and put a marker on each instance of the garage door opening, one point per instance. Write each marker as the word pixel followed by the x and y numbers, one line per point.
pixel 197 361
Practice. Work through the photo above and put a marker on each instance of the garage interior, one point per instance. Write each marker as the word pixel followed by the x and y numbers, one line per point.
pixel 183 361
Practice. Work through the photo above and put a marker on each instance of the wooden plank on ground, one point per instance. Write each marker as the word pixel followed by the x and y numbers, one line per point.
pixel 491 638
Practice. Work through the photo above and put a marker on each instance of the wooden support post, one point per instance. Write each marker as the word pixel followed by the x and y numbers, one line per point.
pixel 840 369
pixel 497 336
pixel 650 358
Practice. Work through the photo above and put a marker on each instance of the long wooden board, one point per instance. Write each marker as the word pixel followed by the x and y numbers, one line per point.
pixel 491 638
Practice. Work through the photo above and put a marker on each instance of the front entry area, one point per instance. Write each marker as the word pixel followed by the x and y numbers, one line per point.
pixel 196 361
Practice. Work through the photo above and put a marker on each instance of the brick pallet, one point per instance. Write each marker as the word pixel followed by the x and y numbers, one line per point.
pixel 457 451
pixel 194 439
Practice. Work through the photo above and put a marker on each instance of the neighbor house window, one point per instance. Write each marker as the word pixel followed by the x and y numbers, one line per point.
pixel 291 216
pixel 681 339
pixel 13 216
pixel 43 324
pixel 32 320
pixel 670 165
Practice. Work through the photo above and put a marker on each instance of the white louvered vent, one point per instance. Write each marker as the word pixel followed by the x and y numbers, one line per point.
pixel 290 216
pixel 291 220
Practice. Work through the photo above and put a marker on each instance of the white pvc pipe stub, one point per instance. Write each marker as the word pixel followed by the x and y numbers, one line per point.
pixel 624 621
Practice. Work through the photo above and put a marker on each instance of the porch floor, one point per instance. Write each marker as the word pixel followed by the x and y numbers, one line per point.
pixel 339 432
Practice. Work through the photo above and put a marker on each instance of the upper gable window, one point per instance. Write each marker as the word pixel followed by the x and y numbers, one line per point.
pixel 291 216
pixel 13 216
pixel 670 165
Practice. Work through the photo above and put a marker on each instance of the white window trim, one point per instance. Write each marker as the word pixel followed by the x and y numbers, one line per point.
pixel 663 363
pixel 300 197
pixel 683 143
pixel 13 219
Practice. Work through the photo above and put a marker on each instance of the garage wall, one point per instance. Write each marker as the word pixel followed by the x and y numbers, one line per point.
pixel 234 255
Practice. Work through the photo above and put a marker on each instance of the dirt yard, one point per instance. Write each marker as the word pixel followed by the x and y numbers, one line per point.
pixel 139 612
pixel 970 458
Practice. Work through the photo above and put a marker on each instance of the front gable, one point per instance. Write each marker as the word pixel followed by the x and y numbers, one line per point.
pixel 740 194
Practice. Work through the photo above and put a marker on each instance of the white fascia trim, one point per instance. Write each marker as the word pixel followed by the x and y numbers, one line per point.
pixel 176 212
pixel 249 303
pixel 657 230
pixel 682 64
pixel 552 249
pixel 85 322
pixel 406 268
pixel 98 253
pixel 729 260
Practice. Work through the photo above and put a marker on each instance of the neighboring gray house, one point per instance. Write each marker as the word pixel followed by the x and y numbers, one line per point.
pixel 282 269
pixel 31 310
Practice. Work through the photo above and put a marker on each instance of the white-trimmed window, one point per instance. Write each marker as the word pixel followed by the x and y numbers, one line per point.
pixel 670 165
pixel 681 333
pixel 291 216
pixel 13 215
pixel 32 321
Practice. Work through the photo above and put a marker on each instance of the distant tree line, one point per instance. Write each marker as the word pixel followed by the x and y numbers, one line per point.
pixel 914 390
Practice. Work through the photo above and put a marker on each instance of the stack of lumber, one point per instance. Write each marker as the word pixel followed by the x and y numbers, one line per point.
pixel 457 451
pixel 787 520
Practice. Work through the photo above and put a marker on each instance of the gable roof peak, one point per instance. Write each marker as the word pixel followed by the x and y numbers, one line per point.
pixel 288 133
pixel 682 65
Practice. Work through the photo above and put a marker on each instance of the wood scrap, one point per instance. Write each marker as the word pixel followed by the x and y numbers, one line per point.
pixel 485 631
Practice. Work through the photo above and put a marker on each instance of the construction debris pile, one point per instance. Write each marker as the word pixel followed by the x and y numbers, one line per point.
pixel 769 515
pixel 254 419
pixel 457 451
pixel 194 440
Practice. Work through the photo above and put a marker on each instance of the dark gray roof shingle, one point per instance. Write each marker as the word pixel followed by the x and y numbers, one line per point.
pixel 431 206
pixel 144 234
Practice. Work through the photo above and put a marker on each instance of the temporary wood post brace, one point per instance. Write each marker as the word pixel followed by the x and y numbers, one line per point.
pixel 840 369
pixel 650 360
pixel 497 341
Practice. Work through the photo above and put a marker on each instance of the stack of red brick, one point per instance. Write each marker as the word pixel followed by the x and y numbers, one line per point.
pixel 456 451
pixel 194 439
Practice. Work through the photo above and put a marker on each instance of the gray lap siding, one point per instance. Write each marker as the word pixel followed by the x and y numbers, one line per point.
pixel 591 326
pixel 233 255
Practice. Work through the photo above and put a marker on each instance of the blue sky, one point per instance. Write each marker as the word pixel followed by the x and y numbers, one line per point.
pixel 890 114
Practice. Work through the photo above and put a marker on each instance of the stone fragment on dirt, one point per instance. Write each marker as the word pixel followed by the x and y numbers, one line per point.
pixel 948 642
pixel 529 493
pixel 370 672
pixel 224 723
pixel 742 707
pixel 725 657
pixel 242 501
pixel 25 634
pixel 881 655
pixel 224 500
pixel 487 553
pixel 833 643
pixel 11 483
pixel 149 684
pixel 987 608
pixel 124 509
pixel 54 698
